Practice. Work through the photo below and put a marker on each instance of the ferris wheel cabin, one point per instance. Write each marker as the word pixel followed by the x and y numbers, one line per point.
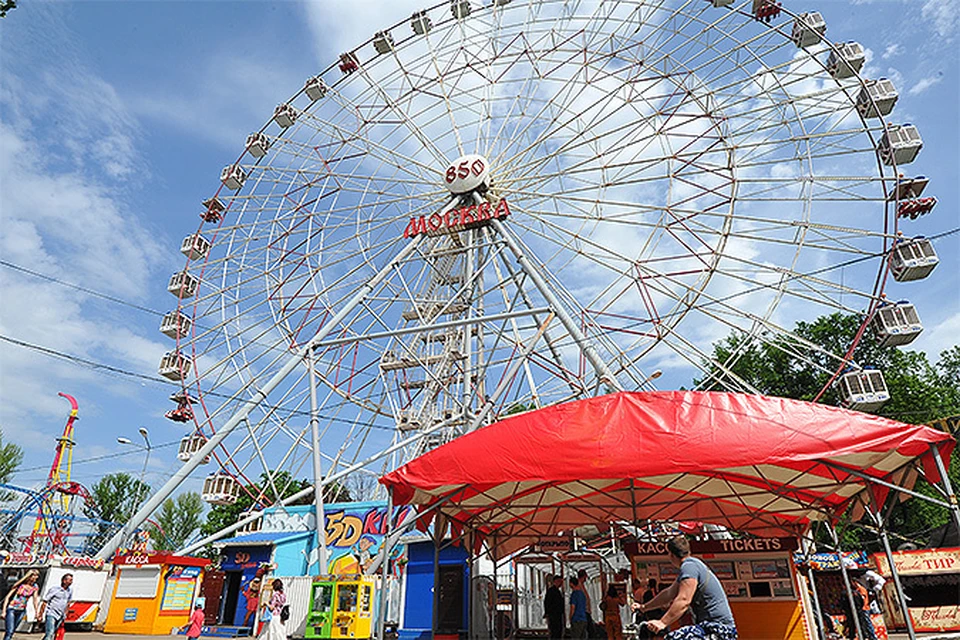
pixel 420 23
pixel 175 325
pixel 900 144
pixel 220 488
pixel 461 9
pixel 285 115
pixel 213 210
pixel 383 42
pixel 251 527
pixel 846 60
pixel 190 446
pixel 912 259
pixel 183 284
pixel 877 98
pixel 863 389
pixel 195 246
pixel 896 324
pixel 808 29
pixel 174 366
pixel 257 145
pixel 233 177
pixel 315 88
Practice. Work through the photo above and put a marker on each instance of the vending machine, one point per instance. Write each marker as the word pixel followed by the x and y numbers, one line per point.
pixel 353 617
pixel 320 616
pixel 341 607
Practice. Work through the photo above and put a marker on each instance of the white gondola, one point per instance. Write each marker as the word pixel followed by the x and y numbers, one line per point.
pixel 896 324
pixel 195 246
pixel 190 446
pixel 501 3
pixel 912 259
pixel 846 60
pixel 233 177
pixel 175 325
pixel 721 3
pixel 460 9
pixel 877 98
pixel 285 115
pixel 183 285
pixel 408 421
pixel 863 389
pixel 421 23
pixel 174 366
pixel 383 42
pixel 257 144
pixel 212 210
pixel 808 29
pixel 315 88
pixel 251 527
pixel 220 488
pixel 900 144
pixel 908 188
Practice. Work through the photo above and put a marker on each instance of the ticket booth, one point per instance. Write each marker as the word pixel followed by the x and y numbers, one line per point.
pixel 757 574
pixel 154 593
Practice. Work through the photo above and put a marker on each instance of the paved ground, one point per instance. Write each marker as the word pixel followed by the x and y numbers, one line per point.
pixel 102 636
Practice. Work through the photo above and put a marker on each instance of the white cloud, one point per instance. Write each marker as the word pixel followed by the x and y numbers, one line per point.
pixel 892 50
pixel 939 338
pixel 925 83
pixel 945 16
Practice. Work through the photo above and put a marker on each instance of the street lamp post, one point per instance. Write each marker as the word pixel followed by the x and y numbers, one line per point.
pixel 653 376
pixel 143 471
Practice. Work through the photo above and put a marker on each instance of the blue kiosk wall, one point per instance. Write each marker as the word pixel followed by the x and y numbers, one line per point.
pixel 418 605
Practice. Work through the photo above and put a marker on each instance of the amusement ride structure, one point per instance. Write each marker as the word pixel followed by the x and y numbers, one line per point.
pixel 489 209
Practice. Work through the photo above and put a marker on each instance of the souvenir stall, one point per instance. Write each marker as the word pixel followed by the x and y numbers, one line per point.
pixel 154 593
pixel 832 591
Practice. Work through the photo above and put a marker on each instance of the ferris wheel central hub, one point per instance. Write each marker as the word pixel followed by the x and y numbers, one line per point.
pixel 467 173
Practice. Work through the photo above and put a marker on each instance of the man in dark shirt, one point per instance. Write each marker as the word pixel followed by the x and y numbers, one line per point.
pixel 553 608
pixel 696 588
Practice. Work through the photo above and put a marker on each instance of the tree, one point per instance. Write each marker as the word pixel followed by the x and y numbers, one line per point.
pixel 10 458
pixel 919 393
pixel 176 521
pixel 116 497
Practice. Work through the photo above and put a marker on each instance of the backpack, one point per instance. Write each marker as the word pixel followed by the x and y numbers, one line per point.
pixel 285 613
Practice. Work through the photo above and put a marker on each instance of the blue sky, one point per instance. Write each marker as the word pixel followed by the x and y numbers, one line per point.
pixel 116 118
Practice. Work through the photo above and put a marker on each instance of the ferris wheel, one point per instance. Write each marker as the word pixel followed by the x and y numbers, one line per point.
pixel 493 207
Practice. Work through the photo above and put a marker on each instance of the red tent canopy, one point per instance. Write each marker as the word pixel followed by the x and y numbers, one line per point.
pixel 751 463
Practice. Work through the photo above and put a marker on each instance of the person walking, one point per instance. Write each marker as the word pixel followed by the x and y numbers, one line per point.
pixel 611 612
pixel 578 610
pixel 553 608
pixel 15 604
pixel 53 609
pixel 195 627
pixel 276 627
pixel 696 588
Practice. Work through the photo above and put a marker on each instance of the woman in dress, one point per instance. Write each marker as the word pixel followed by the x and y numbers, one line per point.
pixel 611 612
pixel 276 627
pixel 15 604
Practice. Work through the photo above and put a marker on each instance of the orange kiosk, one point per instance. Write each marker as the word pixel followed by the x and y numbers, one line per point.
pixel 758 575
pixel 154 593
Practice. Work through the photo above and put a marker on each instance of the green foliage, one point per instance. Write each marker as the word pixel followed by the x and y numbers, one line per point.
pixel 5 6
pixel 116 497
pixel 10 458
pixel 224 515
pixel 177 520
pixel 920 393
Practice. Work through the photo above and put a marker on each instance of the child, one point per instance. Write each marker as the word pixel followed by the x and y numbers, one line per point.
pixel 195 626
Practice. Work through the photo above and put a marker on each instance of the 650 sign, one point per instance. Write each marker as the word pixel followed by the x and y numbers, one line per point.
pixel 466 173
